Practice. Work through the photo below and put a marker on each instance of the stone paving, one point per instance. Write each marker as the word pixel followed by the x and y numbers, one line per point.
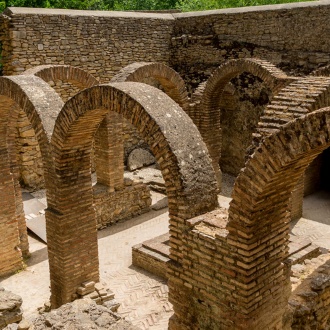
pixel 143 297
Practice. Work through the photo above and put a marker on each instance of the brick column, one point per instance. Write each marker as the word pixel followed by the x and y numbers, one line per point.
pixel 109 152
pixel 71 227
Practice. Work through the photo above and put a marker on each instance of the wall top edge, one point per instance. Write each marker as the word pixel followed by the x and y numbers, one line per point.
pixel 163 16
pixel 91 13
pixel 264 8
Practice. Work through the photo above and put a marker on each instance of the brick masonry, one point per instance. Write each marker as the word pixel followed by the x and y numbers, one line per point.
pixel 226 269
pixel 232 274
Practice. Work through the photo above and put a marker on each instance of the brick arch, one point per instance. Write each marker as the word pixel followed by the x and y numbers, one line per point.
pixel 41 105
pixel 177 146
pixel 258 214
pixel 172 83
pixel 78 77
pixel 299 98
pixel 208 115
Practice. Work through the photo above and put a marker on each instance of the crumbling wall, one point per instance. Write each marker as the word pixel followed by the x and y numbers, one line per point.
pixel 309 303
pixel 240 110
pixel 281 34
pixel 110 207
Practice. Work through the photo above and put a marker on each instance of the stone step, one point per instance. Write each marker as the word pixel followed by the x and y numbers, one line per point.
pixel 152 255
pixel 301 249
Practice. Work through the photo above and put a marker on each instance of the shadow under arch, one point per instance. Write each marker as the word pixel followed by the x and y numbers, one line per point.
pixel 258 216
pixel 177 146
pixel 41 105
pixel 207 118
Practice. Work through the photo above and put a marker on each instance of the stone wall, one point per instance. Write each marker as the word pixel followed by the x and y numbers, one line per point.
pixel 309 302
pixel 241 107
pixel 99 42
pixel 292 36
pixel 111 207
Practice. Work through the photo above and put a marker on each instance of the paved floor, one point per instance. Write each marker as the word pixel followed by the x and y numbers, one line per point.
pixel 143 297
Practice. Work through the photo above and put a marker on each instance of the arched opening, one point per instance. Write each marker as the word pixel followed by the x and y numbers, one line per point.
pixel 258 213
pixel 70 214
pixel 215 96
pixel 19 94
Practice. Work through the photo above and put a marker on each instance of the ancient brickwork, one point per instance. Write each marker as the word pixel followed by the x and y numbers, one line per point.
pixel 295 100
pixel 66 81
pixel 41 105
pixel 160 76
pixel 167 130
pixel 206 108
pixel 233 272
pixel 119 205
pixel 310 299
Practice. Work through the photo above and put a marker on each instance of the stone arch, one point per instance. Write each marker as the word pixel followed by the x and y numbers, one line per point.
pixel 77 79
pixel 72 80
pixel 41 105
pixel 207 117
pixel 179 150
pixel 258 218
pixel 172 83
pixel 157 75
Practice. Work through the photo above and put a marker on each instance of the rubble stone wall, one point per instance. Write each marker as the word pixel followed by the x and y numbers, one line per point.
pixel 290 35
pixel 309 303
pixel 111 207
pixel 99 42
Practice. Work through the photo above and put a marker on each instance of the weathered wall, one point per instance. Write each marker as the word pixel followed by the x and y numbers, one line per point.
pixel 111 207
pixel 310 299
pixel 240 109
pixel 98 42
pixel 293 36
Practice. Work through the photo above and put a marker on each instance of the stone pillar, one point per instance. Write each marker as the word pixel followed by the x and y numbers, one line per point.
pixel 11 255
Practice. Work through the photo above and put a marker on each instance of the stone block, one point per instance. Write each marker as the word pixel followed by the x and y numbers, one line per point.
pixel 139 158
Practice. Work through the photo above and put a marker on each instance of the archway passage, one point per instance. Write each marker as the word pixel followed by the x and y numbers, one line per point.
pixel 207 118
pixel 179 150
pixel 258 217
pixel 41 105
pixel 157 75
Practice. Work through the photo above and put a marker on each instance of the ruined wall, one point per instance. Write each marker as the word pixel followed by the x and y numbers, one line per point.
pixel 241 107
pixel 309 302
pixel 292 36
pixel 111 207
